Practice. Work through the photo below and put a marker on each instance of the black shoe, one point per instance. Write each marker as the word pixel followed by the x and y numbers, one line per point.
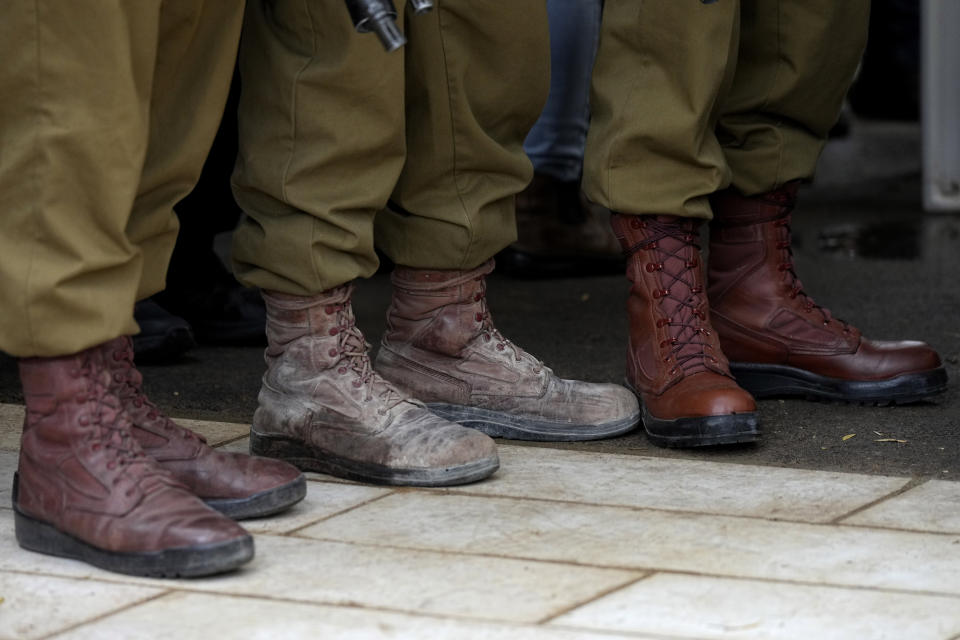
pixel 222 312
pixel 163 336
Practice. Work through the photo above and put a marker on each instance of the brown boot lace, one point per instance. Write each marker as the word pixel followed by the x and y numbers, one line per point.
pixel 491 333
pixel 110 430
pixel 353 350
pixel 129 388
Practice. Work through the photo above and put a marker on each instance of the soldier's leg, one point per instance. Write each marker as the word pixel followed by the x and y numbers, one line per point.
pixel 476 81
pixel 662 71
pixel 74 126
pixel 321 147
pixel 797 59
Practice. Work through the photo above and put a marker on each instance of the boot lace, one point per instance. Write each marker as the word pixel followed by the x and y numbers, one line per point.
pixel 128 387
pixel 354 353
pixel 689 345
pixel 491 334
pixel 790 278
pixel 110 429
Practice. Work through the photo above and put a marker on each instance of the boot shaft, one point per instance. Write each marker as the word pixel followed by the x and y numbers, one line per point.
pixel 753 281
pixel 439 311
pixel 750 242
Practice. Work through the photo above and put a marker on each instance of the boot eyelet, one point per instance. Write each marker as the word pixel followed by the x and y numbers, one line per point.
pixel 651 267
pixel 342 370
pixel 499 347
pixel 479 317
pixel 334 331
pixel 635 224
pixel 333 353
pixel 357 383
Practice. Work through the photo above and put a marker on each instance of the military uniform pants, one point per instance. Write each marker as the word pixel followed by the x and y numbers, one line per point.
pixel 107 111
pixel 332 128
pixel 692 97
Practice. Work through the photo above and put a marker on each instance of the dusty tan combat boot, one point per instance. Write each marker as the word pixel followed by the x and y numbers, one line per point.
pixel 674 361
pixel 85 489
pixel 782 343
pixel 235 484
pixel 324 408
pixel 441 346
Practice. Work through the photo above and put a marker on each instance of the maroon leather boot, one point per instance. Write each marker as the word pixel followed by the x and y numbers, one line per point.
pixel 441 346
pixel 235 484
pixel 674 360
pixel 85 489
pixel 779 341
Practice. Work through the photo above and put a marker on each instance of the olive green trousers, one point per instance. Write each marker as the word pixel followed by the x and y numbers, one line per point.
pixel 107 111
pixel 418 152
pixel 692 97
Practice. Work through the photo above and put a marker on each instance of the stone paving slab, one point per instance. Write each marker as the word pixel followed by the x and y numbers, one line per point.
pixel 560 545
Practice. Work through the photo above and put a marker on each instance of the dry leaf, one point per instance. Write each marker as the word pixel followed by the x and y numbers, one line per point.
pixel 848 436
pixel 891 440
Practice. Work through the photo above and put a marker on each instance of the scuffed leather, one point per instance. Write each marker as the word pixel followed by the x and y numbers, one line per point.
pixel 759 308
pixel 668 390
pixel 207 472
pixel 441 346
pixel 81 470
pixel 320 389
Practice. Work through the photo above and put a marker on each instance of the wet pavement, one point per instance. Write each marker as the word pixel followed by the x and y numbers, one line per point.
pixel 864 249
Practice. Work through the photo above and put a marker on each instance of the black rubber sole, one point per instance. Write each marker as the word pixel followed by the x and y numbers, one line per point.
pixel 778 381
pixel 182 562
pixel 497 424
pixel 307 458
pixel 265 503
pixel 702 431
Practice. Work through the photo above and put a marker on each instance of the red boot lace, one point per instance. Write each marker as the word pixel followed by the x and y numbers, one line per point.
pixel 689 344
pixel 790 278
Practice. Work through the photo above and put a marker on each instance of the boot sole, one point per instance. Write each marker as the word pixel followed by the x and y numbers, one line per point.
pixel 265 503
pixel 307 458
pixel 497 424
pixel 771 380
pixel 179 562
pixel 702 431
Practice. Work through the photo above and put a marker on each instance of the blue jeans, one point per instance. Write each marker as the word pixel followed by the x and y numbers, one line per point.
pixel 555 143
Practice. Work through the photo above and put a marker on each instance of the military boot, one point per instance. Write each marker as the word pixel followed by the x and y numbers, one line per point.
pixel 674 360
pixel 441 346
pixel 324 408
pixel 235 484
pixel 779 341
pixel 85 489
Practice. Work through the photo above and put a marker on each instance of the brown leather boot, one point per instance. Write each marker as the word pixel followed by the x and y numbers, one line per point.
pixel 236 485
pixel 441 346
pixel 324 408
pixel 674 361
pixel 780 342
pixel 560 234
pixel 86 490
